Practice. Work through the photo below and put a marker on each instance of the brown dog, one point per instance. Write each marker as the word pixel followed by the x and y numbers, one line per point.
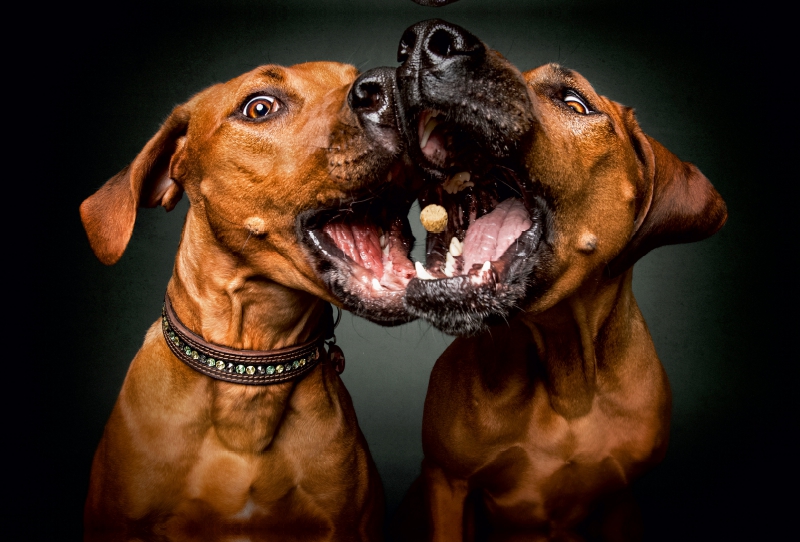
pixel 553 192
pixel 232 420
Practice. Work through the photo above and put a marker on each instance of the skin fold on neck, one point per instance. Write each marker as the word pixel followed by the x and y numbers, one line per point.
pixel 227 302
pixel 574 359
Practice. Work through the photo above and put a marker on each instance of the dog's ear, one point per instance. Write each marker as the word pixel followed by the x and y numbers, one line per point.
pixel 110 213
pixel 677 203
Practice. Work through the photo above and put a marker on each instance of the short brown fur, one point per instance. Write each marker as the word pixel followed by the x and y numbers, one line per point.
pixel 184 455
pixel 541 425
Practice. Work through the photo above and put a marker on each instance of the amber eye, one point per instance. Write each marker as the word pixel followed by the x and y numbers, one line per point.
pixel 260 107
pixel 576 103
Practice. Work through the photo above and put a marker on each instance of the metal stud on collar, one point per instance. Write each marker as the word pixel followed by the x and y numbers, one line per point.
pixel 250 367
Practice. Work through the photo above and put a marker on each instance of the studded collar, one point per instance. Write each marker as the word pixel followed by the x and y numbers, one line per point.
pixel 250 367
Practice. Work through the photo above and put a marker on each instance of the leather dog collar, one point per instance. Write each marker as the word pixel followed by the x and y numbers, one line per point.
pixel 251 367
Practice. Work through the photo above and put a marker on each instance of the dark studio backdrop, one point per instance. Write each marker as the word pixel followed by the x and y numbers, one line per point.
pixel 706 81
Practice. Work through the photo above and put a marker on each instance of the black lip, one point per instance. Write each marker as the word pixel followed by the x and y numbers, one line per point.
pixel 388 205
pixel 459 306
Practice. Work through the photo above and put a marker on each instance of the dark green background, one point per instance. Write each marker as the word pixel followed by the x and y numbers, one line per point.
pixel 707 81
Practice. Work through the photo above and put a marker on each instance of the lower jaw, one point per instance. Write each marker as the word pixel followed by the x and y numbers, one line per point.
pixel 352 285
pixel 467 304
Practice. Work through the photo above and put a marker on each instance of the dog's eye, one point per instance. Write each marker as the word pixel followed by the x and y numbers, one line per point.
pixel 576 103
pixel 260 107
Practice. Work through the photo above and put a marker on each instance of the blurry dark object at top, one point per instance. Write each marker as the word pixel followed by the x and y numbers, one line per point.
pixel 434 3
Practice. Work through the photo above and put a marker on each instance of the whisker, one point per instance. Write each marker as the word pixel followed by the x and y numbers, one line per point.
pixel 249 234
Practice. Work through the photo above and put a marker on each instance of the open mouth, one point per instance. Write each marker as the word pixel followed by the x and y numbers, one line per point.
pixel 485 229
pixel 362 249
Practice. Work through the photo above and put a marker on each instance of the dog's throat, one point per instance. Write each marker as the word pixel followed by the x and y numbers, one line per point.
pixel 249 367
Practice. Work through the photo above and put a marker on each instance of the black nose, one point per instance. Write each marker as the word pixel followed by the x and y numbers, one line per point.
pixel 433 42
pixel 371 95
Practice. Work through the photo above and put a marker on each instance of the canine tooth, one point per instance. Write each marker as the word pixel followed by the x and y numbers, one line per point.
pixel 449 265
pixel 385 250
pixel 376 285
pixel 429 126
pixel 486 266
pixel 382 240
pixel 434 218
pixel 456 246
pixel 458 182
pixel 422 273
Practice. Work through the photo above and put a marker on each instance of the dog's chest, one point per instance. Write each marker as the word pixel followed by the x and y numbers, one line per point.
pixel 538 464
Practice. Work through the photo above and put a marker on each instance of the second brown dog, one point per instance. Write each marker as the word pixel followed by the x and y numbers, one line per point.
pixel 538 425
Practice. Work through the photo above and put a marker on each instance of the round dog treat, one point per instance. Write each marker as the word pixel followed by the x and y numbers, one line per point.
pixel 434 218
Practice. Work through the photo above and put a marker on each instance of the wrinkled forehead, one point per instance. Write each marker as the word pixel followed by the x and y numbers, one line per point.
pixel 313 83
pixel 554 75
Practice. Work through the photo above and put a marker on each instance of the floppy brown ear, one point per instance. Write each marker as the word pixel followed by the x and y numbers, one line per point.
pixel 110 213
pixel 678 204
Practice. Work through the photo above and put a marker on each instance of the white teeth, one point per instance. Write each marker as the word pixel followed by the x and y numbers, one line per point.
pixel 382 240
pixel 429 126
pixel 458 182
pixel 449 265
pixel 486 266
pixel 385 250
pixel 376 285
pixel 456 246
pixel 422 273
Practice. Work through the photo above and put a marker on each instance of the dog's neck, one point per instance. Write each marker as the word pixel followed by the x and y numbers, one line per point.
pixel 223 300
pixel 569 341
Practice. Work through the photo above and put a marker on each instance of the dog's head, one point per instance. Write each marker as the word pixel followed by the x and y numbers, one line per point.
pixel 286 170
pixel 546 184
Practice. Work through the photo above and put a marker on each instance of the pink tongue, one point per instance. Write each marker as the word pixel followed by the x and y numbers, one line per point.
pixel 359 242
pixel 434 148
pixel 489 236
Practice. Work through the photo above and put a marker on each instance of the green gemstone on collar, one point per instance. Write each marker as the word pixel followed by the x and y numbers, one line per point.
pixel 279 369
pixel 270 369
pixel 195 355
pixel 188 350
pixel 250 370
pixel 211 362
pixel 220 365
pixel 240 369
pixel 296 364
pixel 175 339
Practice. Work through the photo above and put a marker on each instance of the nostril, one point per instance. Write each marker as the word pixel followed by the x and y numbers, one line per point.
pixel 367 95
pixel 407 43
pixel 448 40
pixel 441 43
